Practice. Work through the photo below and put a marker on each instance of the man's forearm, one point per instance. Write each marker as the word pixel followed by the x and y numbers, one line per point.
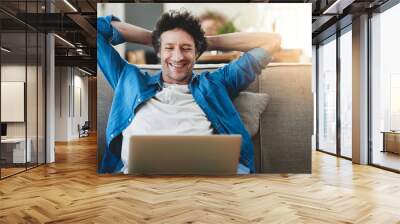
pixel 132 33
pixel 244 41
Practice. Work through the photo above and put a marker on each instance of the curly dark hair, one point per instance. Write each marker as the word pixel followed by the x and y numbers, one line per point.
pixel 184 20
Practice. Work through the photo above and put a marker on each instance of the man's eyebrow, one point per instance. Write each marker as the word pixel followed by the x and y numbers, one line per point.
pixel 184 45
pixel 187 45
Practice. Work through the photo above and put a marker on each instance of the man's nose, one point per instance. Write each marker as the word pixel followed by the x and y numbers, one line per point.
pixel 177 56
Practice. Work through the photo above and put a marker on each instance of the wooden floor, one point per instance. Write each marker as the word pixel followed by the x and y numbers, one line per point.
pixel 8 171
pixel 70 191
pixel 386 159
pixel 5 172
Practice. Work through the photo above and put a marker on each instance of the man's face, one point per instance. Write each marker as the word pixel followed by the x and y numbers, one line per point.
pixel 178 56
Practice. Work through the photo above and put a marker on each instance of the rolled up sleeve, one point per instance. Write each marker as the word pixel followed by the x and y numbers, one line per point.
pixel 109 60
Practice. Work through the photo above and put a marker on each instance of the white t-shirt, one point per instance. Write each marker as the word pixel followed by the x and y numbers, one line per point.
pixel 171 111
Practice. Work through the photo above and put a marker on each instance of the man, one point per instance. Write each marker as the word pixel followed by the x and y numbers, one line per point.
pixel 175 100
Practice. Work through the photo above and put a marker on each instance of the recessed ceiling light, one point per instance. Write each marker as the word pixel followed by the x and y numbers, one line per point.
pixel 84 71
pixel 337 7
pixel 5 50
pixel 64 40
pixel 70 5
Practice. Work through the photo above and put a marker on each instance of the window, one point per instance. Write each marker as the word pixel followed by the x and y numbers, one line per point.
pixel 327 96
pixel 385 88
pixel 346 93
pixel 22 75
pixel 395 102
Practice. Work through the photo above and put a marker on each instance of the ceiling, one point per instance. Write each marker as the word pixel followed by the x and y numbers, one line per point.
pixel 332 15
pixel 76 25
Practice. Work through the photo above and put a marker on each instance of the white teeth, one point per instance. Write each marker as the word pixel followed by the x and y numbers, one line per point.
pixel 177 65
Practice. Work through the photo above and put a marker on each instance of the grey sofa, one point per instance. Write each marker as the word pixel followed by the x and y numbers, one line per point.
pixel 283 142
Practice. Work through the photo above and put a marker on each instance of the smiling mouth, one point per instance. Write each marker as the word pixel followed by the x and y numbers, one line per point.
pixel 177 66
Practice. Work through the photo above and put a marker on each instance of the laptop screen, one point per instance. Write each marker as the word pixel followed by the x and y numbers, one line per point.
pixel 3 129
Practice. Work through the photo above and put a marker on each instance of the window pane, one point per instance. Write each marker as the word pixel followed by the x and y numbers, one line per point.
pixel 327 97
pixel 386 89
pixel 22 79
pixel 394 101
pixel 345 94
pixel 31 98
pixel 14 152
pixel 41 98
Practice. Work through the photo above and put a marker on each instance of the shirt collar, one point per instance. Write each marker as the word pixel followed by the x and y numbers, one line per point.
pixel 157 78
pixel 194 77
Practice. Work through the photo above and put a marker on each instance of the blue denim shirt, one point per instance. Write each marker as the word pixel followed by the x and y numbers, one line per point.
pixel 212 91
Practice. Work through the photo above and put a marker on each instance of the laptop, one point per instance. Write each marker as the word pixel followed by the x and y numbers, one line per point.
pixel 184 154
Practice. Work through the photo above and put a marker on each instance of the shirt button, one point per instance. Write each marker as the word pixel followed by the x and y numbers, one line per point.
pixel 139 100
pixel 130 119
pixel 112 135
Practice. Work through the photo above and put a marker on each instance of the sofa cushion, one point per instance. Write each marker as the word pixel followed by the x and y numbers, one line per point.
pixel 250 107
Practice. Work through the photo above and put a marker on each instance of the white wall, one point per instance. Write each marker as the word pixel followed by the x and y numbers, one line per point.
pixel 15 72
pixel 243 14
pixel 69 82
pixel 79 117
pixel 61 103
pixel 292 21
pixel 33 126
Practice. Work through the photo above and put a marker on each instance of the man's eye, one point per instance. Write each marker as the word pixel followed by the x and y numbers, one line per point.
pixel 169 48
pixel 187 49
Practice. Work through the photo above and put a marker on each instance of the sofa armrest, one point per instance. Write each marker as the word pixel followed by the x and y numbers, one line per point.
pixel 287 123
